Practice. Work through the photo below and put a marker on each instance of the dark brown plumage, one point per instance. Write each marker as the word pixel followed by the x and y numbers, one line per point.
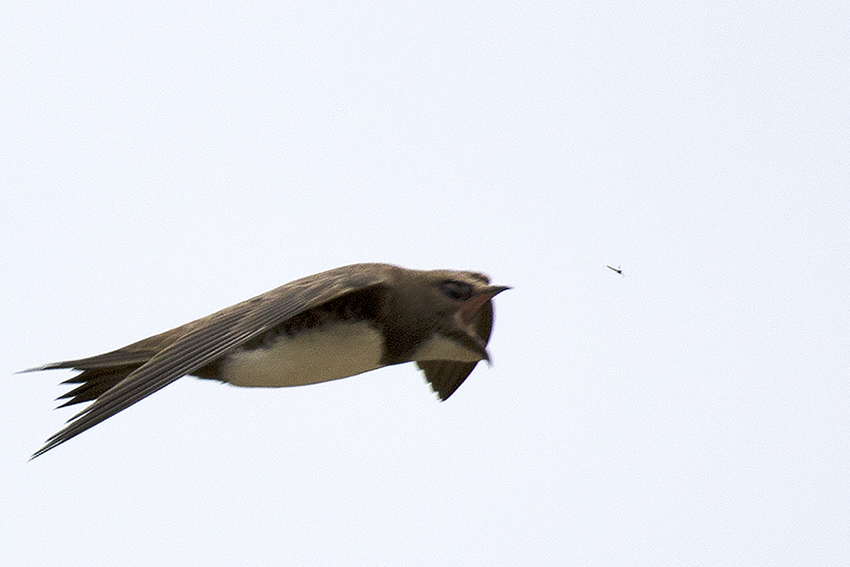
pixel 326 326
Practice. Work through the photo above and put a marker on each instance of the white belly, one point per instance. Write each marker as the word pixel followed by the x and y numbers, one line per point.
pixel 312 356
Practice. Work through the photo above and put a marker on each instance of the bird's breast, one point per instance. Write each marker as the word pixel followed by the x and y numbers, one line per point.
pixel 323 353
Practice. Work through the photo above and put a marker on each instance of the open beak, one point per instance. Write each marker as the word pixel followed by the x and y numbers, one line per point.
pixel 470 308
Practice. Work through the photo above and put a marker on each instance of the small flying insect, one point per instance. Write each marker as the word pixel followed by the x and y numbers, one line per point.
pixel 617 269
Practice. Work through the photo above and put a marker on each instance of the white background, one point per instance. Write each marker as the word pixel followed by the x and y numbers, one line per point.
pixel 160 161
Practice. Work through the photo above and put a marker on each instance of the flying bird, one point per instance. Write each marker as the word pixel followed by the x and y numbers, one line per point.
pixel 617 269
pixel 330 325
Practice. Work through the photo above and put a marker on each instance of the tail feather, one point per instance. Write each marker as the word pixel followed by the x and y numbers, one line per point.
pixel 102 372
pixel 94 382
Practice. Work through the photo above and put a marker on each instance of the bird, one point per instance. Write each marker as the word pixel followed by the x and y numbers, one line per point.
pixel 617 269
pixel 323 327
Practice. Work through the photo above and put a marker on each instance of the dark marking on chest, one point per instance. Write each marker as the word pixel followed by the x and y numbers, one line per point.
pixel 353 307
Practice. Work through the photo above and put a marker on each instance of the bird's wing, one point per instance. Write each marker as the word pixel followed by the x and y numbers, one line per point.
pixel 211 337
pixel 446 376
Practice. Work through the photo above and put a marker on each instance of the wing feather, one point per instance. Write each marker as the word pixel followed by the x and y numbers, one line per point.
pixel 446 376
pixel 208 339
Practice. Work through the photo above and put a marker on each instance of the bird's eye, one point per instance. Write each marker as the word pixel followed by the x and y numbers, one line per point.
pixel 458 291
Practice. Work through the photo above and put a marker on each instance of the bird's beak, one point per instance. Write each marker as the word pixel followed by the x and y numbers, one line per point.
pixel 470 308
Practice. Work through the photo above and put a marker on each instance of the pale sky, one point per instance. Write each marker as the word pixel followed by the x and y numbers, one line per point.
pixel 162 162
